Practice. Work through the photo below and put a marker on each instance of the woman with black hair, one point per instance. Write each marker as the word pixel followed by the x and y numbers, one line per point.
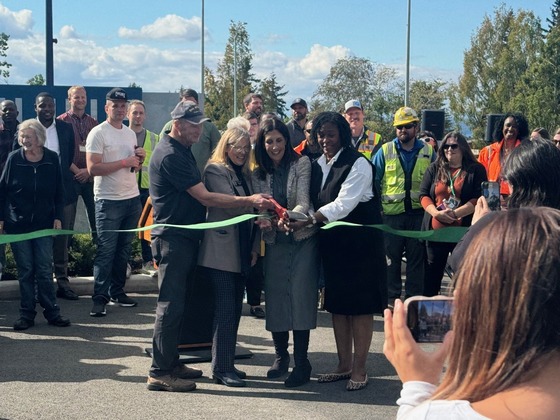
pixel 448 193
pixel 291 261
pixel 342 189
pixel 510 130
pixel 532 172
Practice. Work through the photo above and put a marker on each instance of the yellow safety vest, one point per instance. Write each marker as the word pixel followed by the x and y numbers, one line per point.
pixel 367 144
pixel 150 142
pixel 393 192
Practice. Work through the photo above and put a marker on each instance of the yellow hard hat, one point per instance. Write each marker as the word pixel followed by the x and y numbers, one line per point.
pixel 405 115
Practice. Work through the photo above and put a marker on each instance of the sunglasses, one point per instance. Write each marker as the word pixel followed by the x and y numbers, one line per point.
pixel 450 146
pixel 556 141
pixel 406 126
pixel 307 131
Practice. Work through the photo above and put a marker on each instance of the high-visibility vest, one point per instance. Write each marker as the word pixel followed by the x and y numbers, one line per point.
pixel 393 190
pixel 150 142
pixel 368 142
pixel 489 156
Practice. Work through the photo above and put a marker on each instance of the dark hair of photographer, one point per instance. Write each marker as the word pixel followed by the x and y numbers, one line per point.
pixel 507 315
pixel 533 171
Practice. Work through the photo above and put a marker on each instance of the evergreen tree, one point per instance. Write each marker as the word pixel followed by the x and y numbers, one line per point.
pixel 501 51
pixel 4 65
pixel 273 97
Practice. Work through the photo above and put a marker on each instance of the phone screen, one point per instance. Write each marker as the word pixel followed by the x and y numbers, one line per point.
pixel 491 191
pixel 429 319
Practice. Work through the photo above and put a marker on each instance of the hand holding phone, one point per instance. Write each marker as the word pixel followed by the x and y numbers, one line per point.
pixel 411 362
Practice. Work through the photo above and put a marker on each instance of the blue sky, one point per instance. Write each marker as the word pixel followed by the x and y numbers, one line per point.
pixel 156 44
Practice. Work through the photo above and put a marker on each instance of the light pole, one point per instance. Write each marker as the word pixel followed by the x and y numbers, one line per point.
pixel 50 41
pixel 407 77
pixel 201 102
pixel 234 74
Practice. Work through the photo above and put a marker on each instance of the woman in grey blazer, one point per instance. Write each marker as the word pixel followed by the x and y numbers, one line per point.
pixel 228 252
pixel 291 261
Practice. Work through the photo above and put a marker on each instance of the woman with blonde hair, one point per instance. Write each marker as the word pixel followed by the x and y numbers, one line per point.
pixel 504 351
pixel 228 252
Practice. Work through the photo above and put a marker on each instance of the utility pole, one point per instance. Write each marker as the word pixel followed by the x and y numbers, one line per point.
pixel 201 101
pixel 407 78
pixel 50 41
pixel 234 73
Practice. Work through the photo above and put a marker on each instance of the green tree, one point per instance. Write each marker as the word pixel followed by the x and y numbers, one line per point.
pixel 380 91
pixel 375 85
pixel 501 52
pixel 273 97
pixel 219 88
pixel 554 19
pixel 4 65
pixel 539 88
pixel 37 80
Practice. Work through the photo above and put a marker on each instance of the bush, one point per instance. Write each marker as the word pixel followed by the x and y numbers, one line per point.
pixel 81 255
pixel 9 272
pixel 80 258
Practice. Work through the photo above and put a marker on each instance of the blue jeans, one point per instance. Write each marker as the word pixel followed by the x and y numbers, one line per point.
pixel 113 248
pixel 34 264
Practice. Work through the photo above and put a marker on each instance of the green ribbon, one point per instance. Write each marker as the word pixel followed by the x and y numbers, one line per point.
pixel 450 234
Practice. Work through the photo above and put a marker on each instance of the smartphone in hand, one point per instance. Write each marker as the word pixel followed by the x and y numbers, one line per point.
pixel 429 318
pixel 491 191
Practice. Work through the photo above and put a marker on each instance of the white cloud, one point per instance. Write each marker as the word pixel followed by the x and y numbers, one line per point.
pixel 68 32
pixel 170 27
pixel 301 76
pixel 16 24
pixel 320 60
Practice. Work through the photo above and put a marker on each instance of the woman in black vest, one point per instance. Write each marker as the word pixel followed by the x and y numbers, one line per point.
pixel 342 189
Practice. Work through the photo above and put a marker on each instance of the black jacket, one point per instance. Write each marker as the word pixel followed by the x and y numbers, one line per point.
pixel 31 193
pixel 66 144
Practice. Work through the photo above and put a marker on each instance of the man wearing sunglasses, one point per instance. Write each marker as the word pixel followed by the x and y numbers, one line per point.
pixel 399 168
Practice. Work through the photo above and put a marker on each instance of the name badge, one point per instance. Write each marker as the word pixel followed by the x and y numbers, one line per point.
pixel 391 167
pixel 82 148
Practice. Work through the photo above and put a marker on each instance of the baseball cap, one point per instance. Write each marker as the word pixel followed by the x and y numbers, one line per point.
pixel 189 111
pixel 298 101
pixel 353 103
pixel 116 94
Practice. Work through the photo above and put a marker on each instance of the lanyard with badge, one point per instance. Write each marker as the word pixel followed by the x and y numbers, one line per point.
pixel 452 202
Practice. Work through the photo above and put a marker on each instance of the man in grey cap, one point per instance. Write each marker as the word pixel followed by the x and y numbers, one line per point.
pixel 179 198
pixel 201 150
pixel 296 125
pixel 112 157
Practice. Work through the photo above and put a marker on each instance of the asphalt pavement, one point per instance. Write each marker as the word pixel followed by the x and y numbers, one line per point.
pixel 97 369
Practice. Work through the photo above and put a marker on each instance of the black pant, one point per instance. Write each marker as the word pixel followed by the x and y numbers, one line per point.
pixel 176 257
pixel 437 253
pixel 255 282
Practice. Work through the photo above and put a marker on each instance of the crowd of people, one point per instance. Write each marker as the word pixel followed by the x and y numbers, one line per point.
pixel 297 177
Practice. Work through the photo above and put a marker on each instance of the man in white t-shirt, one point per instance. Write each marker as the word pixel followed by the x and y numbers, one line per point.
pixel 112 158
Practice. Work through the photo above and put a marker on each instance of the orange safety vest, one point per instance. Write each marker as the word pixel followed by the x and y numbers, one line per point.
pixel 490 159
